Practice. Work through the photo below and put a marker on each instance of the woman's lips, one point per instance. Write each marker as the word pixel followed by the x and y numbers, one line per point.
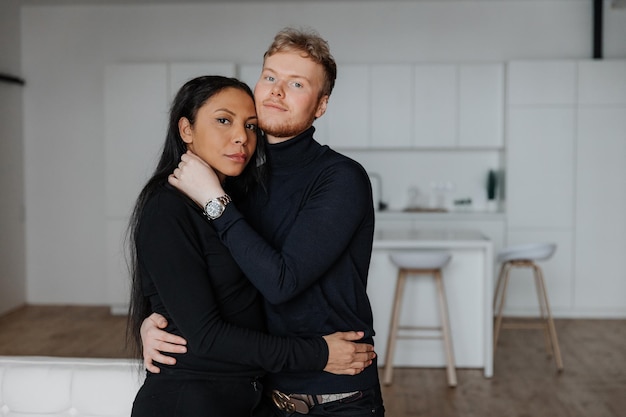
pixel 238 157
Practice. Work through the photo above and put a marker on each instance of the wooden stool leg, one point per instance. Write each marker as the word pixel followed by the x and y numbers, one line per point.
pixel 445 326
pixel 541 297
pixel 552 329
pixel 393 327
pixel 496 293
pixel 504 276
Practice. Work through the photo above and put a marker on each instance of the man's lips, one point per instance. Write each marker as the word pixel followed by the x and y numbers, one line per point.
pixel 273 105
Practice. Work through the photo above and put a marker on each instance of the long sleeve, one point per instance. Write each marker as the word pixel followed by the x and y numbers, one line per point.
pixel 191 278
pixel 306 244
pixel 330 213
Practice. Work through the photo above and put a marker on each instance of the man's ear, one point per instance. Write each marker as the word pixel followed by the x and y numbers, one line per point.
pixel 321 107
pixel 185 130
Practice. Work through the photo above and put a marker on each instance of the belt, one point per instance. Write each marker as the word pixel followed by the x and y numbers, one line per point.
pixel 302 403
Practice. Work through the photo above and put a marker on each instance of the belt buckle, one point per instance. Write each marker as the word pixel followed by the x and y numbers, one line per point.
pixel 290 405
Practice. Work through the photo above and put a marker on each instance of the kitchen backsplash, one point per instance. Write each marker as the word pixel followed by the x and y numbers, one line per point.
pixel 432 178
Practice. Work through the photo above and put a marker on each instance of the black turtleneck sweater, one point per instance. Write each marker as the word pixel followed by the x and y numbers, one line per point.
pixel 306 244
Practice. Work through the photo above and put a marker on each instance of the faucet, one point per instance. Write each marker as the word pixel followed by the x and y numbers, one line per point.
pixel 381 205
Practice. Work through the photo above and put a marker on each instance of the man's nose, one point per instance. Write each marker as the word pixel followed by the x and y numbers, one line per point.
pixel 277 89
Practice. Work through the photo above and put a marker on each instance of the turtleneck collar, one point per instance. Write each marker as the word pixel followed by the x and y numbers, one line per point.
pixel 295 152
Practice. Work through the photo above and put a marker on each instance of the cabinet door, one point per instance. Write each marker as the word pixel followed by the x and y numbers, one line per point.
pixel 249 74
pixel 391 106
pixel 481 111
pixel 435 106
pixel 602 82
pixel 348 112
pixel 181 72
pixel 540 167
pixel 135 120
pixel 541 82
pixel 601 210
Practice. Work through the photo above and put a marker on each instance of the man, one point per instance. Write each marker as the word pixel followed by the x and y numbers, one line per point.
pixel 305 241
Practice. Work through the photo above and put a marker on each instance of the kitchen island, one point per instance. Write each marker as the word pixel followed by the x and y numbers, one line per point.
pixel 468 280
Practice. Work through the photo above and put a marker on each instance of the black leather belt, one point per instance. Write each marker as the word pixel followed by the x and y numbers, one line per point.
pixel 302 403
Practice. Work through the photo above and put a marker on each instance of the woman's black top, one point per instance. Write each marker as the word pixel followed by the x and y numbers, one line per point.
pixel 192 280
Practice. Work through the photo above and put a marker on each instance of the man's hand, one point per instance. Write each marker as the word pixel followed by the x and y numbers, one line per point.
pixel 196 178
pixel 346 357
pixel 154 341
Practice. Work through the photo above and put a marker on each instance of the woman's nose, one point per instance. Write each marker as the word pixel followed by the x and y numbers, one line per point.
pixel 241 138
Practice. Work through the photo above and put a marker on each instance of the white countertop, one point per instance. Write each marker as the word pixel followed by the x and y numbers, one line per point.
pixel 448 215
pixel 433 238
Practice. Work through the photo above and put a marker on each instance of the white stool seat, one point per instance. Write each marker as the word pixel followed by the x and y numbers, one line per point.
pixel 528 252
pixel 420 260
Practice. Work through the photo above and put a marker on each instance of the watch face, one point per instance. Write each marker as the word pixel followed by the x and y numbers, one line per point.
pixel 214 209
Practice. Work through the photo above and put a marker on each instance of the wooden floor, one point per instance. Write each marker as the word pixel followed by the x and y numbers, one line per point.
pixel 525 382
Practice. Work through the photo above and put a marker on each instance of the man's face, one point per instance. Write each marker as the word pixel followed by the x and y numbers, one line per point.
pixel 287 95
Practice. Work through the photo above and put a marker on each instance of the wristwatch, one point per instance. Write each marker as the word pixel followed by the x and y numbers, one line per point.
pixel 215 206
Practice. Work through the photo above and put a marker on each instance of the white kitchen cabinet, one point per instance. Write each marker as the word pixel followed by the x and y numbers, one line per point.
pixel 566 181
pixel 540 177
pixel 540 167
pixel 181 72
pixel 602 82
pixel 135 118
pixel 249 73
pixel 348 114
pixel 435 106
pixel 600 286
pixel 481 106
pixel 391 104
pixel 539 83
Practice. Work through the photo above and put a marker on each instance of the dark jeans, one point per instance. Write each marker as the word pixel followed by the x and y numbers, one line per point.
pixel 175 396
pixel 368 404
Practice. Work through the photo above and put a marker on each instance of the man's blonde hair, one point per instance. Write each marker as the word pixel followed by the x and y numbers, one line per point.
pixel 312 46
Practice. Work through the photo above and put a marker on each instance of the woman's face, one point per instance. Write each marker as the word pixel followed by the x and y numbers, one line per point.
pixel 225 132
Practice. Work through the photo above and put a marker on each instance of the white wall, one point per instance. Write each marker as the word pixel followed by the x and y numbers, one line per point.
pixel 12 235
pixel 65 49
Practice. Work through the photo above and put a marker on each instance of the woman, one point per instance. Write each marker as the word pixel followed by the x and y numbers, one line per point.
pixel 181 270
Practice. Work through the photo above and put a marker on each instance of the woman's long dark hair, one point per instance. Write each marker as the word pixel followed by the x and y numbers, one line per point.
pixel 187 102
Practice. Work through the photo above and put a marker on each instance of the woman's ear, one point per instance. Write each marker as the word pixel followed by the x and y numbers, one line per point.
pixel 185 130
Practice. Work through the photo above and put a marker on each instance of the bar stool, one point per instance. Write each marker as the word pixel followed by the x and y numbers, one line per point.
pixel 423 263
pixel 526 256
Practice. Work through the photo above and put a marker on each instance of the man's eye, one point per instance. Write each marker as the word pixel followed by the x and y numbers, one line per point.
pixel 270 78
pixel 297 85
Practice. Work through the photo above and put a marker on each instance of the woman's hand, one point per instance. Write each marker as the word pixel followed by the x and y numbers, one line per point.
pixel 346 357
pixel 154 341
pixel 196 178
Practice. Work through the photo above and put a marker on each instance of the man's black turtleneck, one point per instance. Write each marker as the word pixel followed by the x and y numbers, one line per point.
pixel 306 244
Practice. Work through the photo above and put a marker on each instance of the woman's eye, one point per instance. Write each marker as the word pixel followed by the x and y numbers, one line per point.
pixel 270 78
pixel 252 127
pixel 222 120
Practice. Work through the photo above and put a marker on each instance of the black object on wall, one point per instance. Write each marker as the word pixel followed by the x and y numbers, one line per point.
pixel 597 29
pixel 11 79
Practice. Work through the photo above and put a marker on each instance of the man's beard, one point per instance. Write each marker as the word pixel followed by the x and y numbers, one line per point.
pixel 286 129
